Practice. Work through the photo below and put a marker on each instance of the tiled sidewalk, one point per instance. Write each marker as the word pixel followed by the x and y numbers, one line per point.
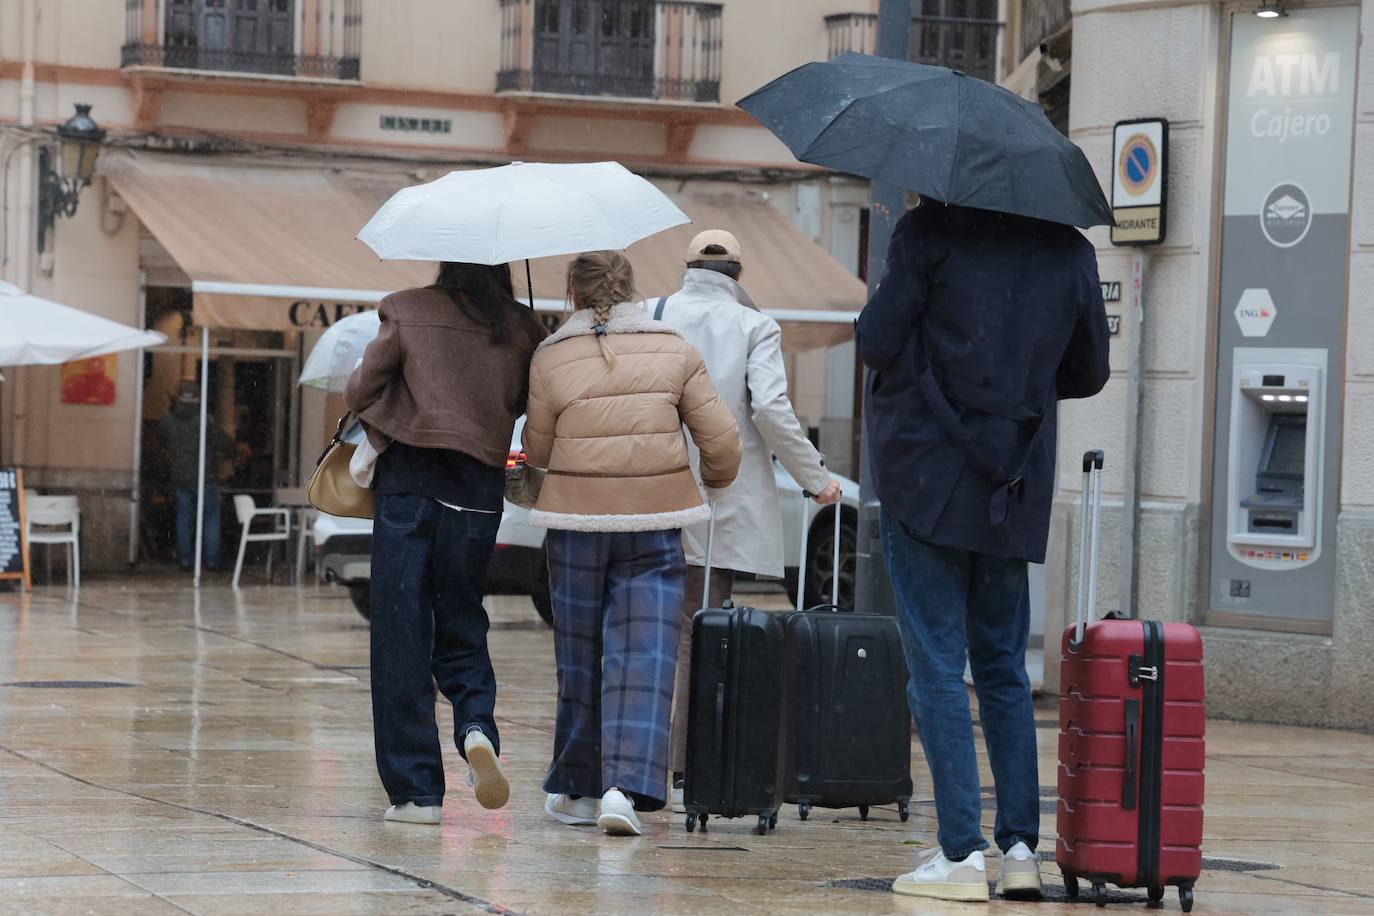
pixel 229 770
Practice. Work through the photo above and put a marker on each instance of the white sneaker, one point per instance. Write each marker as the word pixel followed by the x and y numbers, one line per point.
pixel 617 816
pixel 411 813
pixel 941 879
pixel 679 806
pixel 1020 875
pixel 484 771
pixel 575 812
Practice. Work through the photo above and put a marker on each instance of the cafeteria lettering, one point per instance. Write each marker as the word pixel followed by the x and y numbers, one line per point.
pixel 307 314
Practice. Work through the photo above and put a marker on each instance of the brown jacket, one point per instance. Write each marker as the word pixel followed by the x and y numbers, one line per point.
pixel 433 379
pixel 612 438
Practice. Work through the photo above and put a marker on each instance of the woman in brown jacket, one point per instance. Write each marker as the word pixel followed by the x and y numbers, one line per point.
pixel 609 395
pixel 439 392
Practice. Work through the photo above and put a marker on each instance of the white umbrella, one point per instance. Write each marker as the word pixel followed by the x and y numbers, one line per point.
pixel 338 350
pixel 520 211
pixel 38 332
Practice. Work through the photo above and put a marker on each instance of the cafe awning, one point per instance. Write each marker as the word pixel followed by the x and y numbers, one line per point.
pixel 270 245
pixel 257 238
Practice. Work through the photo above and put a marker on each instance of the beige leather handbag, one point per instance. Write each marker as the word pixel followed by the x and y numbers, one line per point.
pixel 332 489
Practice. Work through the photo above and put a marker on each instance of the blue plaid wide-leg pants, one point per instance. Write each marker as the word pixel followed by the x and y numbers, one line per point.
pixel 617 610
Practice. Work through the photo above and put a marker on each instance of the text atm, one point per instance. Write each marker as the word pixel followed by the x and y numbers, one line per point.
pixel 1276 457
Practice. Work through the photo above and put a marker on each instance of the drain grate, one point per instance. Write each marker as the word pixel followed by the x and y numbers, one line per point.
pixel 1054 893
pixel 68 685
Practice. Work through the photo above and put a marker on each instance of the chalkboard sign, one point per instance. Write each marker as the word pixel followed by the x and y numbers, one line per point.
pixel 14 550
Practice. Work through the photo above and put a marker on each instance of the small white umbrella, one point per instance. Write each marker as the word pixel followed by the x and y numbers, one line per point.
pixel 520 211
pixel 338 350
pixel 38 332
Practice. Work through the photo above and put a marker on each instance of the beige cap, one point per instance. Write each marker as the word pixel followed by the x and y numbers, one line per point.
pixel 697 250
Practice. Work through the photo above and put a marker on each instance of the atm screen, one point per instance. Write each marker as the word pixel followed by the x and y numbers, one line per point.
pixel 1286 450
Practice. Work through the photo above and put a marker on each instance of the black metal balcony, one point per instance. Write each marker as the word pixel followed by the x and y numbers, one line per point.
pixel 653 49
pixel 959 34
pixel 257 37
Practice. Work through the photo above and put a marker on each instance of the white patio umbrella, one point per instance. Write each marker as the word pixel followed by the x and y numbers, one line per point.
pixel 520 211
pixel 39 332
pixel 338 350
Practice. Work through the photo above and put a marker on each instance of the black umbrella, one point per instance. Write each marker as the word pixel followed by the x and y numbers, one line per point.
pixel 938 132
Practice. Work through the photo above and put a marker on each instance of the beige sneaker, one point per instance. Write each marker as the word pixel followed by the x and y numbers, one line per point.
pixel 941 879
pixel 1020 875
pixel 484 771
pixel 411 813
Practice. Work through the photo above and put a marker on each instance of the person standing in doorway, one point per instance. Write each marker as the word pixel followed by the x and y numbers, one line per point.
pixel 742 348
pixel 180 432
pixel 439 392
pixel 610 393
pixel 981 324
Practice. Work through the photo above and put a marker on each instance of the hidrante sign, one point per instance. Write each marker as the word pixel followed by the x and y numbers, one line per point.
pixel 1139 188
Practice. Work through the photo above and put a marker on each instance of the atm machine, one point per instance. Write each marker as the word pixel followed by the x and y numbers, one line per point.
pixel 1274 482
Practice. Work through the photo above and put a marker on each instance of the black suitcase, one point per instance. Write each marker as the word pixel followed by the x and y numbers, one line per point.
pixel 734 713
pixel 847 728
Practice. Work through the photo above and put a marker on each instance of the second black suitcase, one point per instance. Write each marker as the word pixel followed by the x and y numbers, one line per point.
pixel 847 731
pixel 734 710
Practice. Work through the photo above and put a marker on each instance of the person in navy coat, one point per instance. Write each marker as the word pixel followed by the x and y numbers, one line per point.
pixel 982 323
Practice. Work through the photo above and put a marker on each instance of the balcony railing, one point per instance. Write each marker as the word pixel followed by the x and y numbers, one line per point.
pixel 654 49
pixel 316 39
pixel 940 36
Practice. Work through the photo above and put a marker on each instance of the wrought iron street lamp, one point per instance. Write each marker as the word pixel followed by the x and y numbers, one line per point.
pixel 60 182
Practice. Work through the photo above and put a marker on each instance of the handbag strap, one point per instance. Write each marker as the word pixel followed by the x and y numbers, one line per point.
pixel 658 309
pixel 337 437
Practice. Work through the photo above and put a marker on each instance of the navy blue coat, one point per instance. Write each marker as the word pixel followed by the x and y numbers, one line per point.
pixel 981 323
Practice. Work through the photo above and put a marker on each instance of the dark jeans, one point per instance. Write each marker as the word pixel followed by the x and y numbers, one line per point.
pixel 186 526
pixel 955 605
pixel 429 572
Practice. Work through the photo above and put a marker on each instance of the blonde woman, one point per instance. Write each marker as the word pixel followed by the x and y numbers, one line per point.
pixel 609 395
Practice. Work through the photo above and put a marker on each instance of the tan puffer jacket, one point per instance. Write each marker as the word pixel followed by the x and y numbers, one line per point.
pixel 611 438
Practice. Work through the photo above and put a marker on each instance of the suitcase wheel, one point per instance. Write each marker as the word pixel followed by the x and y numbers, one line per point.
pixel 773 821
pixel 1156 894
pixel 691 823
pixel 1185 899
pixel 1071 886
pixel 863 812
pixel 903 810
pixel 762 828
pixel 1100 894
pixel 804 809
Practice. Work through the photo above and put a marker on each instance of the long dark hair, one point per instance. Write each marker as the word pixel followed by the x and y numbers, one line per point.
pixel 483 292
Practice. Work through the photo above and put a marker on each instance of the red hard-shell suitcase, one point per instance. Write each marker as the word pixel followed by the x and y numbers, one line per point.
pixel 1131 751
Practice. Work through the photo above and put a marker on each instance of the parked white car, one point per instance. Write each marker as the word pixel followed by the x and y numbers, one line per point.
pixel 519 567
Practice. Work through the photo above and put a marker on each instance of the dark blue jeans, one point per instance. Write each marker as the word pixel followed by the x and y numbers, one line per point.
pixel 186 526
pixel 955 605
pixel 429 573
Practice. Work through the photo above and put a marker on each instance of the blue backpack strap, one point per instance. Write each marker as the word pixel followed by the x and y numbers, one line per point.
pixel 658 309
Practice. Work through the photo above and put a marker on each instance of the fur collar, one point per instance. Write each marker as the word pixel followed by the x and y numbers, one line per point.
pixel 626 318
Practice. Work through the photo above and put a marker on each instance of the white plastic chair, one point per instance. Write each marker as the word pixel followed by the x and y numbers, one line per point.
pixel 55 520
pixel 247 511
pixel 307 533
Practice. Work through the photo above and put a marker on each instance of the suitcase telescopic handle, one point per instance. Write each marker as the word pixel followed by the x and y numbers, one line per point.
pixel 804 534
pixel 710 546
pixel 1088 532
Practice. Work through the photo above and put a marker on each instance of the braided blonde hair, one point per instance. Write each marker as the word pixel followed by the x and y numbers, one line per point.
pixel 601 280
